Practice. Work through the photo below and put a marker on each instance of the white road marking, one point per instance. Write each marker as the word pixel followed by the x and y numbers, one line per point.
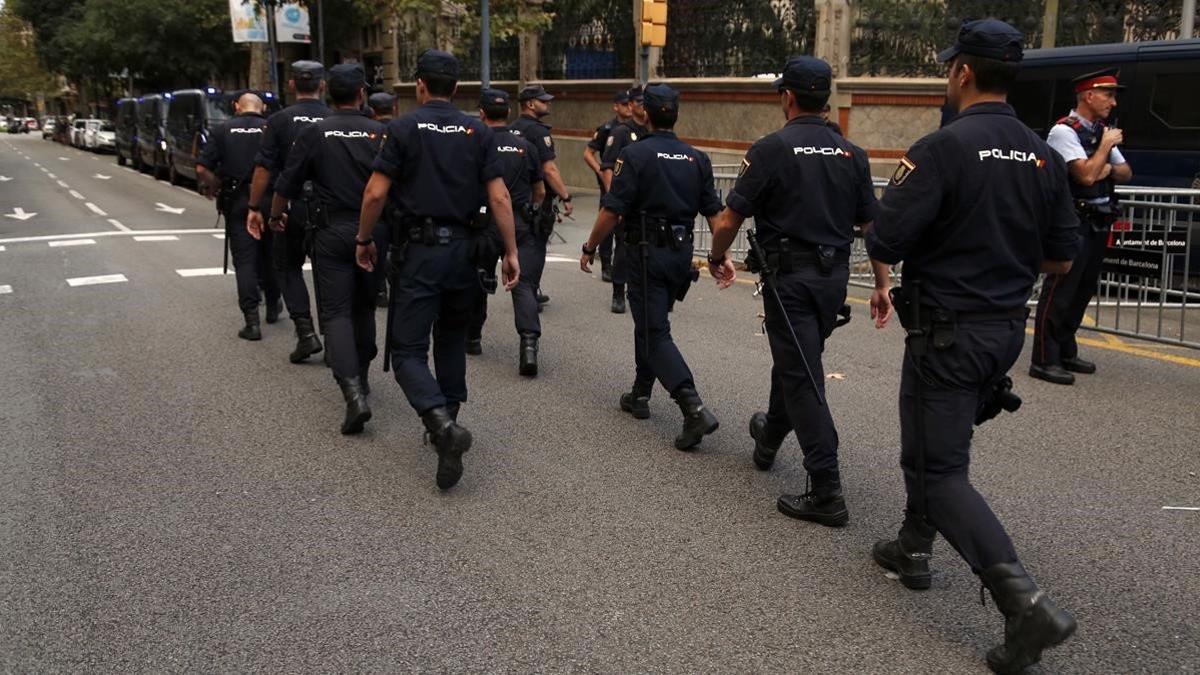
pixel 307 267
pixel 117 224
pixel 157 237
pixel 75 194
pixel 73 242
pixel 1181 508
pixel 5 179
pixel 20 214
pixel 101 176
pixel 65 159
pixel 159 206
pixel 554 257
pixel 201 272
pixel 5 289
pixel 2 249
pixel 102 279
pixel 105 233
pixel 219 236
pixel 63 184
pixel 44 169
pixel 128 169
pixel 50 175
pixel 95 209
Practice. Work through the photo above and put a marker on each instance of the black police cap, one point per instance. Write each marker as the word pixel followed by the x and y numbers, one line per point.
pixel 493 97
pixel 806 73
pixel 381 101
pixel 621 96
pixel 662 98
pixel 347 77
pixel 308 70
pixel 989 38
pixel 437 63
pixel 635 94
pixel 535 91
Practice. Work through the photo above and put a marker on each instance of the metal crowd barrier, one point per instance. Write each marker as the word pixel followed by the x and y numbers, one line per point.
pixel 1150 287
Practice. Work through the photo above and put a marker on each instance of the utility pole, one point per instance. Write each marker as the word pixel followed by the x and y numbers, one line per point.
pixel 272 45
pixel 485 47
pixel 320 32
pixel 1187 27
pixel 1050 24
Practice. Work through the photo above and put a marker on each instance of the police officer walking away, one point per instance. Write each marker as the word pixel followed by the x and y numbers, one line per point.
pixel 973 210
pixel 629 131
pixel 523 178
pixel 535 106
pixel 592 152
pixel 308 81
pixel 226 165
pixel 806 188
pixel 1095 165
pixel 439 166
pixel 336 155
pixel 383 107
pixel 658 186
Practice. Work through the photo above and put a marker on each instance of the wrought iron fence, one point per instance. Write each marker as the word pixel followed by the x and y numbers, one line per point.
pixel 736 38
pixel 505 60
pixel 588 41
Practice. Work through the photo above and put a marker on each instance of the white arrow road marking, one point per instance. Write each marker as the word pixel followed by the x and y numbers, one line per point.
pixel 219 236
pixel 101 176
pixel 95 209
pixel 5 179
pixel 117 224
pixel 201 272
pixel 169 209
pixel 73 242
pixel 5 289
pixel 102 279
pixel 75 194
pixel 19 214
pixel 157 237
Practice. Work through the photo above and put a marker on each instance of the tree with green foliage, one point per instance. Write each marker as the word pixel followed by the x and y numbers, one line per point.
pixel 21 74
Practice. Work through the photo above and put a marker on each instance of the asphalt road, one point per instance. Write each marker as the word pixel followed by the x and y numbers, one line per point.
pixel 173 498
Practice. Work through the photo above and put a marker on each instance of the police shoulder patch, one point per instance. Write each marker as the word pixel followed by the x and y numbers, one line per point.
pixel 618 166
pixel 548 141
pixel 744 168
pixel 633 135
pixel 903 171
pixel 609 141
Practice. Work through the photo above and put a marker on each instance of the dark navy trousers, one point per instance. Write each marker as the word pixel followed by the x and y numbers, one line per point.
pixel 251 258
pixel 954 383
pixel 812 300
pixel 666 272
pixel 531 255
pixel 289 257
pixel 436 285
pixel 345 299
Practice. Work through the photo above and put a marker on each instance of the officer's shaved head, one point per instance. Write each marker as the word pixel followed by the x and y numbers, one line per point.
pixel 249 102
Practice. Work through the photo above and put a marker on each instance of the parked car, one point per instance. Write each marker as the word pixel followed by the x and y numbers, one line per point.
pixel 78 127
pixel 101 136
pixel 48 128
pixel 192 114
pixel 31 124
pixel 1159 111
pixel 126 126
pixel 152 133
pixel 16 125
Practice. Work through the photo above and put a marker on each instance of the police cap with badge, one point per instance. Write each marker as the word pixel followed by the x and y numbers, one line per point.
pixel 661 98
pixel 345 79
pixel 307 71
pixel 806 74
pixel 536 91
pixel 437 63
pixel 621 96
pixel 1101 79
pixel 381 102
pixel 987 38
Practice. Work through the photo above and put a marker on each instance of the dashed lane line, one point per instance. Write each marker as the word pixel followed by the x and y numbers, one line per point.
pixel 2 249
pixel 51 176
pixel 72 242
pixel 75 194
pixel 157 237
pixel 95 209
pixel 5 289
pixel 96 280
pixel 117 224
pixel 201 272
pixel 1181 508
pixel 107 233
pixel 219 235
pixel 63 184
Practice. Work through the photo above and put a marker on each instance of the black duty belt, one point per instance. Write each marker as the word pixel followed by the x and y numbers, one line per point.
pixel 659 232
pixel 431 232
pixel 938 315
pixel 1105 209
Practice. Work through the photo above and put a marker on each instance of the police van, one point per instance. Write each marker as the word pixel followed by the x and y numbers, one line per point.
pixel 152 134
pixel 126 123
pixel 1159 111
pixel 192 115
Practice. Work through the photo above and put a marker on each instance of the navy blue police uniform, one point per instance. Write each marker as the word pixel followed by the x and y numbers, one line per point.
pixel 659 185
pixel 1065 298
pixel 972 210
pixel 538 134
pixel 382 105
pixel 597 144
pixel 336 155
pixel 283 128
pixel 229 154
pixel 621 136
pixel 806 187
pixel 521 170
pixel 439 161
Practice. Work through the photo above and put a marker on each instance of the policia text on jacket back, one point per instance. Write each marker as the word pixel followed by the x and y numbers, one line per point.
pixel 973 210
pixel 434 170
pixel 335 155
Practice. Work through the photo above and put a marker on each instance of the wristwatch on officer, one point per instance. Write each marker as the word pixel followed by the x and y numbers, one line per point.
pixel 253 209
pixel 716 262
pixel 274 220
pixel 566 199
pixel 591 252
pixel 359 242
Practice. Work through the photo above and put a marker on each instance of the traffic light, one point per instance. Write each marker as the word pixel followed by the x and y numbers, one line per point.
pixel 654 23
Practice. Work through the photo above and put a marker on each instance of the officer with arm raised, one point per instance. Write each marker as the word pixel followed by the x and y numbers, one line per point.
pixel 658 186
pixel 629 131
pixel 336 155
pixel 438 165
pixel 973 210
pixel 308 81
pixel 226 165
pixel 1089 146
pixel 806 188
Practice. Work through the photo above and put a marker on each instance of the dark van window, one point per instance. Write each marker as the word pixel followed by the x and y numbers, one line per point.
pixel 1176 100
pixel 1032 102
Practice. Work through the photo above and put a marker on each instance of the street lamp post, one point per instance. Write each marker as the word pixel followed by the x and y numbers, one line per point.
pixel 485 47
pixel 272 44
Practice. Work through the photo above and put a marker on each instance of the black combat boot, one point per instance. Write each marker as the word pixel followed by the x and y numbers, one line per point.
pixel 618 300
pixel 908 554
pixel 307 342
pixel 364 376
pixel 251 330
pixel 451 441
pixel 542 299
pixel 474 346
pixel 765 445
pixel 358 411
pixel 636 402
pixel 606 271
pixel 698 421
pixel 1032 622
pixel 273 310
pixel 529 352
pixel 823 504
